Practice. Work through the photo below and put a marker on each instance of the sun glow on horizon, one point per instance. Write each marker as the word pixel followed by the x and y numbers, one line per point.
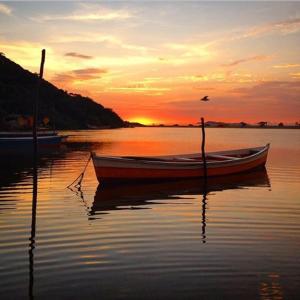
pixel 143 120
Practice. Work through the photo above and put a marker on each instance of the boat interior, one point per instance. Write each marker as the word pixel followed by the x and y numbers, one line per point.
pixel 210 157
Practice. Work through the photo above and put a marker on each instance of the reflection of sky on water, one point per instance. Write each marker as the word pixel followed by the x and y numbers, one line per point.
pixel 105 244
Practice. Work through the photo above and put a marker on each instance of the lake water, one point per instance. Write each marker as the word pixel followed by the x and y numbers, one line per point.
pixel 157 241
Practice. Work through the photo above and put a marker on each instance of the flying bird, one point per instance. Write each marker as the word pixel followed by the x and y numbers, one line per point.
pixel 205 98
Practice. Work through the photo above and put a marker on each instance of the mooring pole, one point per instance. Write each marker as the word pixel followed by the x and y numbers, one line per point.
pixel 35 177
pixel 36 103
pixel 203 149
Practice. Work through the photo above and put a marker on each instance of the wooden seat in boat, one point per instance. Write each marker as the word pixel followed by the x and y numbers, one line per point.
pixel 222 156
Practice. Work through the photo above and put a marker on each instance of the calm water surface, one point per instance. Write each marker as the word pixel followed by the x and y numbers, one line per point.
pixel 241 240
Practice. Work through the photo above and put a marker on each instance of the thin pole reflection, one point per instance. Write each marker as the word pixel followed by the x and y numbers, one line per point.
pixel 33 228
pixel 204 198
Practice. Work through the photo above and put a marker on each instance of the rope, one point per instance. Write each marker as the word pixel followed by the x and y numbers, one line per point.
pixel 80 177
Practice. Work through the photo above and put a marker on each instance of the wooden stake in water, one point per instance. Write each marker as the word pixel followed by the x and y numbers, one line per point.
pixel 35 178
pixel 203 149
pixel 36 103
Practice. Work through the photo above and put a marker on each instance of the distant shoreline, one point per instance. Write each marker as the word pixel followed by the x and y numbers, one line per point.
pixel 214 124
pixel 181 126
pixel 221 127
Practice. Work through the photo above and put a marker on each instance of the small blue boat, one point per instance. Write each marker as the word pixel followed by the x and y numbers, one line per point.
pixel 14 140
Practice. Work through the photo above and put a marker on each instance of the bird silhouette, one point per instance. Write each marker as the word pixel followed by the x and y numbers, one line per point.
pixel 205 98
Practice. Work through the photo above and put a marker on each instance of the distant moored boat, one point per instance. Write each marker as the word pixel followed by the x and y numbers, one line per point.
pixel 25 139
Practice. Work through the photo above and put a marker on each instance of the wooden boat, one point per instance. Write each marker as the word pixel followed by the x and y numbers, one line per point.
pixel 111 169
pixel 24 140
pixel 26 133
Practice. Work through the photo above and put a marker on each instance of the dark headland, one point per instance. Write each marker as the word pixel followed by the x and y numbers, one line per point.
pixel 66 110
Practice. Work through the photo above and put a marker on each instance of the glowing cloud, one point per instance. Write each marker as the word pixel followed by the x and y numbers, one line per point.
pixel 246 60
pixel 79 75
pixel 5 9
pixel 78 55
pixel 296 75
pixel 28 52
pixel 282 27
pixel 191 50
pixel 141 88
pixel 286 66
pixel 86 12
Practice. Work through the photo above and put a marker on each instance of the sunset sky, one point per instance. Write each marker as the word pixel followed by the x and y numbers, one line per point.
pixel 152 61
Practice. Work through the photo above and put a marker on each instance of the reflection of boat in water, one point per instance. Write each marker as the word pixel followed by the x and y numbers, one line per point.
pixel 121 168
pixel 118 197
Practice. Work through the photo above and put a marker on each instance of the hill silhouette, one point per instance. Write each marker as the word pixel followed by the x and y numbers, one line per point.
pixel 66 110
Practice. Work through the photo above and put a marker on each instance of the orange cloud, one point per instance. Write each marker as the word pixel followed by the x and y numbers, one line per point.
pixel 247 59
pixel 78 55
pixel 283 27
pixel 87 12
pixel 195 78
pixel 295 75
pixel 286 66
pixel 79 75
pixel 192 49
pixel 5 9
pixel 141 88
